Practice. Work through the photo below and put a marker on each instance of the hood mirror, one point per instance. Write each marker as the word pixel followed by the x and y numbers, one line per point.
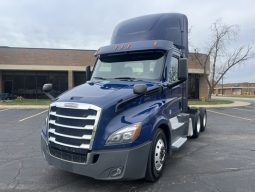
pixel 140 89
pixel 47 88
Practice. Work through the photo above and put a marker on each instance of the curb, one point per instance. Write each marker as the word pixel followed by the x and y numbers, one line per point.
pixel 235 104
pixel 24 106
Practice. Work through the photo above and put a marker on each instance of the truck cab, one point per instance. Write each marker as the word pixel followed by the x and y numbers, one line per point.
pixel 133 112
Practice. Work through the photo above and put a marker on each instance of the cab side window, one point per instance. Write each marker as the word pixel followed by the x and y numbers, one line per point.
pixel 173 70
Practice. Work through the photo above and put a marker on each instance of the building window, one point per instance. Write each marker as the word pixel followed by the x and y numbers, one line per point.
pixel 28 84
pixel 79 78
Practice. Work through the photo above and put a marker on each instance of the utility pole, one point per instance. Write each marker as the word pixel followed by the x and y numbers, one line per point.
pixel 222 86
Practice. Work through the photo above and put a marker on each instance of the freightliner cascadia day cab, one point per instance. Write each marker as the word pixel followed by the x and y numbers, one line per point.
pixel 133 112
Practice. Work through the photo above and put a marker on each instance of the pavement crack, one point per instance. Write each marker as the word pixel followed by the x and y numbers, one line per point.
pixel 228 170
pixel 14 183
pixel 10 161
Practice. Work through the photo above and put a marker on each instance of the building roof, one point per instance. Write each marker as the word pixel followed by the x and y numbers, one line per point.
pixel 18 58
pixel 44 56
pixel 235 85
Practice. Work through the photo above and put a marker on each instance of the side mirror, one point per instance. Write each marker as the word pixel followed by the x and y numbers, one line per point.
pixel 183 70
pixel 140 89
pixel 47 88
pixel 88 73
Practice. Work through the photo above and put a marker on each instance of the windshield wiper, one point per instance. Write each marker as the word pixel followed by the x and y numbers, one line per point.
pixel 125 78
pixel 101 78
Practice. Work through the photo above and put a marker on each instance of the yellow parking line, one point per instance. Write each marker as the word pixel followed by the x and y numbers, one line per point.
pixel 4 110
pixel 32 116
pixel 230 115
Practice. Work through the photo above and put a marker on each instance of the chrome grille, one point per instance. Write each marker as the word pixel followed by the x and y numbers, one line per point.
pixel 72 125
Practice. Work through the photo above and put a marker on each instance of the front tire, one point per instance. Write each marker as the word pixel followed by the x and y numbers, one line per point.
pixel 157 156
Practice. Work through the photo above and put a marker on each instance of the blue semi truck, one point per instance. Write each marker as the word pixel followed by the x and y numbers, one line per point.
pixel 133 110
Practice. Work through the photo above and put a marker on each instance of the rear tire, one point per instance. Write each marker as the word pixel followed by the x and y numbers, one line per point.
pixel 196 124
pixel 203 119
pixel 157 156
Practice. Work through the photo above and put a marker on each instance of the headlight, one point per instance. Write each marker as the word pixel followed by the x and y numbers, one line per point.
pixel 125 135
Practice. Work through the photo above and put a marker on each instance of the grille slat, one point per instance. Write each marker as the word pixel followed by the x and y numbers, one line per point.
pixel 75 112
pixel 82 146
pixel 53 131
pixel 69 141
pixel 74 122
pixel 72 128
pixel 71 132
pixel 89 117
pixel 86 127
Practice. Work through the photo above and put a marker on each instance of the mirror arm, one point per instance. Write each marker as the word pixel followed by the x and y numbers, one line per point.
pixel 49 95
pixel 171 85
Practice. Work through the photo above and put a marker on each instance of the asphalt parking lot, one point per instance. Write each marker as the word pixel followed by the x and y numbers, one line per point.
pixel 221 159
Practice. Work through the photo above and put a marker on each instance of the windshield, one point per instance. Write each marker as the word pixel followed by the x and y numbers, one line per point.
pixel 143 65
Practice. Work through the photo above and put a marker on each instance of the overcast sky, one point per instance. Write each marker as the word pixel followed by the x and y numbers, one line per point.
pixel 88 24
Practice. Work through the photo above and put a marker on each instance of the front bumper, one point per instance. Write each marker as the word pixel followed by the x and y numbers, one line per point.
pixel 111 164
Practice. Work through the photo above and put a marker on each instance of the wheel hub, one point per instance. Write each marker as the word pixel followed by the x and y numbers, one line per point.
pixel 159 154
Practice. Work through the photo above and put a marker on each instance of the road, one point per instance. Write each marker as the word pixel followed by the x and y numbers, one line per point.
pixel 221 159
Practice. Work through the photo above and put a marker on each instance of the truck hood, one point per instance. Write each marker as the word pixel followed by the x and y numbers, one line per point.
pixel 104 93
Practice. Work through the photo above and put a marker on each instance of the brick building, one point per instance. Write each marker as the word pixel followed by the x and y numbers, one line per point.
pixel 23 71
pixel 235 89
pixel 198 87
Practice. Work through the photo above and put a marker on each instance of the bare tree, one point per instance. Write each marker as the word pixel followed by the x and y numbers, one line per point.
pixel 221 57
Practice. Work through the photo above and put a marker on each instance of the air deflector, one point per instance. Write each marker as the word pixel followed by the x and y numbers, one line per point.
pixel 166 26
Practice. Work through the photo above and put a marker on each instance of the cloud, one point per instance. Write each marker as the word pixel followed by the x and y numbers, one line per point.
pixel 86 24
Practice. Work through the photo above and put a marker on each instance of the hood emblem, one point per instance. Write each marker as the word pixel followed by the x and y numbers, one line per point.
pixel 71 105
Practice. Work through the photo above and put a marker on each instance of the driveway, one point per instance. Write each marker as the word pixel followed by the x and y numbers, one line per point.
pixel 221 159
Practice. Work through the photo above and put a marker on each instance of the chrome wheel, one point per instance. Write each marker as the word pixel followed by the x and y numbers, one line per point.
pixel 159 154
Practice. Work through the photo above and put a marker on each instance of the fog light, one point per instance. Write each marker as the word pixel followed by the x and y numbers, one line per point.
pixel 116 172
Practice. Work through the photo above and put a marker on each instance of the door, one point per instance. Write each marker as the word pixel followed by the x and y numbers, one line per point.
pixel 174 95
pixel 193 86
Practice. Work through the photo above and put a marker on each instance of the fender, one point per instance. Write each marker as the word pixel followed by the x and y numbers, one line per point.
pixel 163 123
pixel 147 113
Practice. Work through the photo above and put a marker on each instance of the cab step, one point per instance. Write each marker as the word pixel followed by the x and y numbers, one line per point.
pixel 179 142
